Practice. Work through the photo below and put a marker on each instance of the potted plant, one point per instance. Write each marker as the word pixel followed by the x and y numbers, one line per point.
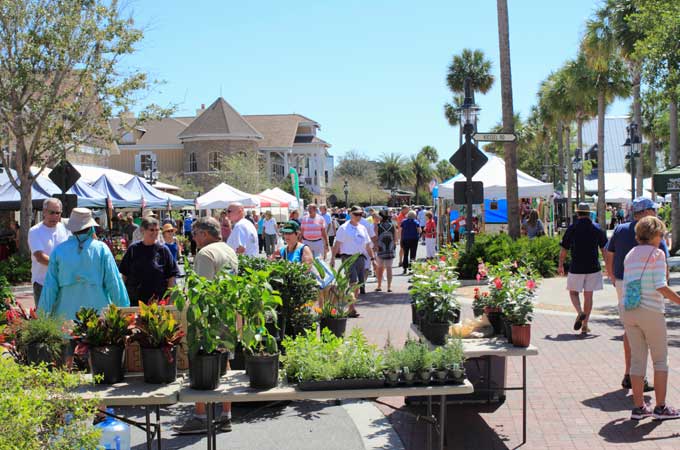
pixel 159 334
pixel 414 358
pixel 440 365
pixel 520 312
pixel 339 297
pixel 7 300
pixel 257 302
pixel 103 338
pixel 210 307
pixel 479 301
pixel 392 359
pixel 33 338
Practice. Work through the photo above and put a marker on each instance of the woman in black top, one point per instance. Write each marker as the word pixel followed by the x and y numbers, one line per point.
pixel 385 245
pixel 148 267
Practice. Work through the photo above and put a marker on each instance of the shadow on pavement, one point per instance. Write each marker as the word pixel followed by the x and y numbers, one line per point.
pixel 622 431
pixel 564 337
pixel 614 401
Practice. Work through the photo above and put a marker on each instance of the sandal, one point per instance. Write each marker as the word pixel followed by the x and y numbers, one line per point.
pixel 579 321
pixel 378 290
pixel 389 290
pixel 353 315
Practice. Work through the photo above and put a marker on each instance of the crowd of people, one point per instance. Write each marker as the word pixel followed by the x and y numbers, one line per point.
pixel 635 262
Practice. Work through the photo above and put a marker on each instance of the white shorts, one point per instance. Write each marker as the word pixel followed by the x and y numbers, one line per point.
pixel 587 282
pixel 316 247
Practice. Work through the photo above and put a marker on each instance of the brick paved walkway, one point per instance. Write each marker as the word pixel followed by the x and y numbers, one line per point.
pixel 574 401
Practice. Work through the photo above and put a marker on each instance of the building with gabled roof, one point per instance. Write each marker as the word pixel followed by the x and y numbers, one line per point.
pixel 194 146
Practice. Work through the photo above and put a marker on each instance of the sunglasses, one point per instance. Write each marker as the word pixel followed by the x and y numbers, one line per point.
pixel 51 212
pixel 357 214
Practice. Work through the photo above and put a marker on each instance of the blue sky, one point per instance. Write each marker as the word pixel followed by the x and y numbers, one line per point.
pixel 372 73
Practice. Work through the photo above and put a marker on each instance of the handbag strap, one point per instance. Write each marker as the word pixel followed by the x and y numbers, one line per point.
pixel 645 267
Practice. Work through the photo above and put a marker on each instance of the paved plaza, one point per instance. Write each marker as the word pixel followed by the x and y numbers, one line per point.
pixel 575 399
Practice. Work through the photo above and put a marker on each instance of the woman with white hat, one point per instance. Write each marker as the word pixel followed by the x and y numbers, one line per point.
pixel 81 272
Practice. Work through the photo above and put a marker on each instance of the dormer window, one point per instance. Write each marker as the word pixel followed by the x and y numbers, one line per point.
pixel 128 138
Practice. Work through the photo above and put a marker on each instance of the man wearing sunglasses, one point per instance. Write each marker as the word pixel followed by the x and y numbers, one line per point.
pixel 243 237
pixel 42 239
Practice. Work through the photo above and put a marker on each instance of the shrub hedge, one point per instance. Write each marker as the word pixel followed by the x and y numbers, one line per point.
pixel 16 269
pixel 542 253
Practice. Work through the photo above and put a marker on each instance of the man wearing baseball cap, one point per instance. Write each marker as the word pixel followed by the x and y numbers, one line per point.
pixel 582 239
pixel 621 242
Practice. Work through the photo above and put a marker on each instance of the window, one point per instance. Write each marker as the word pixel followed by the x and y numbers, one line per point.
pixel 215 161
pixel 128 138
pixel 193 166
pixel 325 176
pixel 145 162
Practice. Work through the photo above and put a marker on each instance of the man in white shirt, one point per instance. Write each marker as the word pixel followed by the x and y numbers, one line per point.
pixel 323 212
pixel 243 237
pixel 351 239
pixel 42 239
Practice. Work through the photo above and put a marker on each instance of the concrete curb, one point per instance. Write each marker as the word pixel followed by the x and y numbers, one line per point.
pixel 375 429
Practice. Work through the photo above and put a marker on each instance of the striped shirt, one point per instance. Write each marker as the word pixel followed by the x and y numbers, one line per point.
pixel 311 227
pixel 654 275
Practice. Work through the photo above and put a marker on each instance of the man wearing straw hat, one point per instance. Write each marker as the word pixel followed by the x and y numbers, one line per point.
pixel 82 272
pixel 582 239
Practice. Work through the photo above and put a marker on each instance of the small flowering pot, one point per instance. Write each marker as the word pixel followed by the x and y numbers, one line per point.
pixel 521 335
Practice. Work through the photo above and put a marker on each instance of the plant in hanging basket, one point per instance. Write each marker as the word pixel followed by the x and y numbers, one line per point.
pixel 158 334
pixel 210 306
pixel 33 338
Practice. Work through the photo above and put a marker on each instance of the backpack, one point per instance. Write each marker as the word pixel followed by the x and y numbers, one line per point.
pixel 386 240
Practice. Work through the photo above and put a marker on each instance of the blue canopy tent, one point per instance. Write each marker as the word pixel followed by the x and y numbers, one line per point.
pixel 155 198
pixel 120 196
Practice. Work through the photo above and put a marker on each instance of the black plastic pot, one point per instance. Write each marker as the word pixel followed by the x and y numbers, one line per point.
pixel 478 311
pixel 351 383
pixel 263 370
pixel 414 318
pixel 239 361
pixel 337 326
pixel 507 329
pixel 108 361
pixel 204 371
pixel 157 369
pixel 436 332
pixel 495 321
pixel 38 352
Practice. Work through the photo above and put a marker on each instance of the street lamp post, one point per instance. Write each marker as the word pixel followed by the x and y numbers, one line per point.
pixel 345 189
pixel 632 144
pixel 468 114
pixel 577 165
pixel 151 174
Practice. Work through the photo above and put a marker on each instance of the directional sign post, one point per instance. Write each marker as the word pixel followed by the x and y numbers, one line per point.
pixel 494 137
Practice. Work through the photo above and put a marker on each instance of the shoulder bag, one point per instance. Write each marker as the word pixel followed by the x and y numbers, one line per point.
pixel 633 295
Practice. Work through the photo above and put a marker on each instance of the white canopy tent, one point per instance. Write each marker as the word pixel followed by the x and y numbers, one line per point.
pixel 283 196
pixel 492 174
pixel 222 195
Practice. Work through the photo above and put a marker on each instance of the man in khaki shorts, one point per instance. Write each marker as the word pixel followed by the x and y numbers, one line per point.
pixel 582 239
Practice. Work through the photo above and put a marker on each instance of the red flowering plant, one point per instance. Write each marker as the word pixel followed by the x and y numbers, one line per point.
pixel 449 255
pixel 157 327
pixel 10 333
pixel 509 282
pixel 112 328
pixel 27 330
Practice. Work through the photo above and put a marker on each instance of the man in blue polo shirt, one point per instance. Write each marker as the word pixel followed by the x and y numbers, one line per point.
pixel 582 239
pixel 622 241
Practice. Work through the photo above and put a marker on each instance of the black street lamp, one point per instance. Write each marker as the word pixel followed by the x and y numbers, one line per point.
pixel 151 174
pixel 632 144
pixel 577 165
pixel 345 189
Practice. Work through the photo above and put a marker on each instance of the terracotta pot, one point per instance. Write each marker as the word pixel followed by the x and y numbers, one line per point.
pixel 521 335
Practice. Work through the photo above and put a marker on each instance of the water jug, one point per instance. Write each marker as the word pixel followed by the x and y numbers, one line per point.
pixel 115 434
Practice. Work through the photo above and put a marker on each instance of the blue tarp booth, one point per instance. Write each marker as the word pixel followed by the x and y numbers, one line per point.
pixel 42 188
pixel 498 215
pixel 119 195
pixel 155 198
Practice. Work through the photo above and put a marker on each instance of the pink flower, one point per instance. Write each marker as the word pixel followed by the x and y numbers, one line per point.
pixel 479 277
pixel 442 259
pixel 498 283
pixel 531 285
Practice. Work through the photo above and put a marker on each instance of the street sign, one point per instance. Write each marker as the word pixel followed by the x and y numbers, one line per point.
pixel 64 175
pixel 478 159
pixel 494 137
pixel 459 192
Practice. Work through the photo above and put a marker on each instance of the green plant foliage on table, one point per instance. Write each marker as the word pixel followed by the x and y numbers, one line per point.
pixel 41 409
pixel 340 295
pixel 156 327
pixel 7 300
pixel 26 328
pixel 541 252
pixel 257 303
pixel 416 356
pixel 433 290
pixel 111 328
pixel 511 289
pixel 16 269
pixel 311 357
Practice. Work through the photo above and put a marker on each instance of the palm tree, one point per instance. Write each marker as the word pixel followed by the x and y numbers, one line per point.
pixel 392 172
pixel 473 65
pixel 421 168
pixel 445 170
pixel 429 153
pixel 603 57
pixel 512 193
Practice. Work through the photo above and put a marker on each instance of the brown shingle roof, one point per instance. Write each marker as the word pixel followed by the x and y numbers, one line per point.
pixel 279 130
pixel 158 132
pixel 220 120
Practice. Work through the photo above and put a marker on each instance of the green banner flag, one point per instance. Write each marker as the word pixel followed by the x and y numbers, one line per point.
pixel 296 182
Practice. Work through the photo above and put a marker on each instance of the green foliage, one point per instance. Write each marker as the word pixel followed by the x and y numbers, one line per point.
pixel 111 328
pixel 542 253
pixel 392 172
pixel 445 356
pixel 311 357
pixel 340 294
pixel 25 329
pixel 511 290
pixel 433 288
pixel 16 269
pixel 7 299
pixel 256 302
pixel 34 404
pixel 305 194
pixel 156 327
pixel 416 356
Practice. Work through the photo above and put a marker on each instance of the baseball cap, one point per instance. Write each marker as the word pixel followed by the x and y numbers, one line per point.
pixel 290 227
pixel 643 203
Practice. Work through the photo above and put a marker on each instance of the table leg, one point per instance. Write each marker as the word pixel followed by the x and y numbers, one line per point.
pixel 488 379
pixel 214 434
pixel 524 399
pixel 210 425
pixel 430 423
pixel 442 421
pixel 158 426
pixel 149 434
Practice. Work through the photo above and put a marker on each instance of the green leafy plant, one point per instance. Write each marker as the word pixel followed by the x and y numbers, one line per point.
pixel 112 327
pixel 445 356
pixel 26 328
pixel 41 408
pixel 433 290
pixel 340 294
pixel 414 356
pixel 156 327
pixel 16 269
pixel 312 357
pixel 211 310
pixel 7 300
pixel 257 304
